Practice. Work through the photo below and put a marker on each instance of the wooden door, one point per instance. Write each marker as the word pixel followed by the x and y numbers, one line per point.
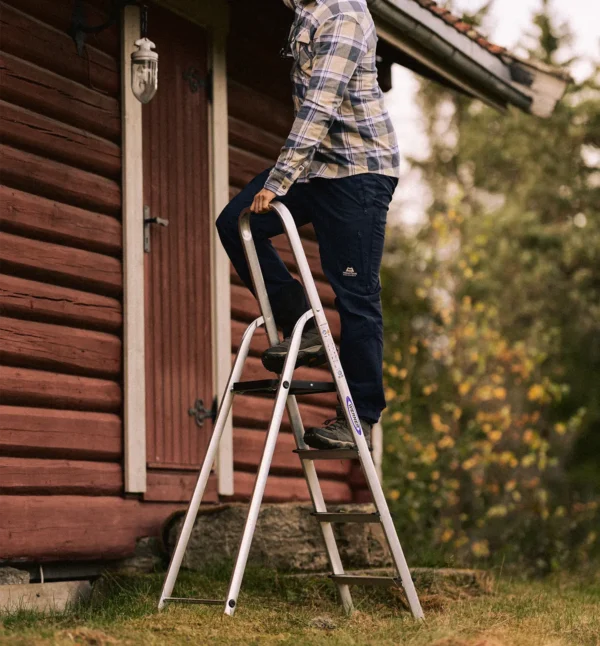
pixel 178 269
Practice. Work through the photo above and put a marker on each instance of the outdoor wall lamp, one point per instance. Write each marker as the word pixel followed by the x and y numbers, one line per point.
pixel 144 61
pixel 144 70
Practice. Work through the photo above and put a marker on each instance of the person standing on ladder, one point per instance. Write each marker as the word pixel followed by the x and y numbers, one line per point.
pixel 338 170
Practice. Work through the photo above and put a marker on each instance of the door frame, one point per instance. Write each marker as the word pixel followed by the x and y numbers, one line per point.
pixel 214 17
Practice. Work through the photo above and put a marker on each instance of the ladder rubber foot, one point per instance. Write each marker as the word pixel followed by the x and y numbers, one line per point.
pixel 355 579
pixel 295 387
pixel 349 517
pixel 327 454
pixel 207 602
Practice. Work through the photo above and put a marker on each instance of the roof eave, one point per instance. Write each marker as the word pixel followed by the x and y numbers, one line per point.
pixel 498 81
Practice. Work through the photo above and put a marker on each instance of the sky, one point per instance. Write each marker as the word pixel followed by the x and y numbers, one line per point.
pixel 508 21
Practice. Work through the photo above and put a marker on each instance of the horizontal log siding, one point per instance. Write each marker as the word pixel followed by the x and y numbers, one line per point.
pixel 260 117
pixel 61 277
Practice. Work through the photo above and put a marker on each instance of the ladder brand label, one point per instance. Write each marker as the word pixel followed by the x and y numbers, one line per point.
pixel 330 348
pixel 353 415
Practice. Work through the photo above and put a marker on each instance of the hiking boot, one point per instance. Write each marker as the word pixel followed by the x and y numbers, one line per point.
pixel 311 353
pixel 336 434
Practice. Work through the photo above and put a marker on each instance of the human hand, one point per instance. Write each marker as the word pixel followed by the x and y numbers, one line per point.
pixel 262 200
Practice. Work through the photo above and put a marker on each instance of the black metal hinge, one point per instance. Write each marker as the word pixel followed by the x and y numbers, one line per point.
pixel 199 413
pixel 196 81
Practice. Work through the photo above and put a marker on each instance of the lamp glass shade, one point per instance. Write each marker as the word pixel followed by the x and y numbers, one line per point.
pixel 144 71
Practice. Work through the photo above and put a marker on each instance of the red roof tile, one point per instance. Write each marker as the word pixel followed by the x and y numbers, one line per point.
pixel 461 26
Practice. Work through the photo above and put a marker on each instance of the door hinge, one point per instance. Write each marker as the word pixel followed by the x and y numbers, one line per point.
pixel 195 81
pixel 199 413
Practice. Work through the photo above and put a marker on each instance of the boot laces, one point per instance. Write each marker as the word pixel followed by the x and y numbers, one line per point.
pixel 336 423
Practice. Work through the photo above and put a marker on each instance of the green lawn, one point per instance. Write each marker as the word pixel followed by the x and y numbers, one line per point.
pixel 274 609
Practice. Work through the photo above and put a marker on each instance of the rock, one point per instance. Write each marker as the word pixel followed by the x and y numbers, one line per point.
pixel 12 576
pixel 147 558
pixel 323 623
pixel 287 537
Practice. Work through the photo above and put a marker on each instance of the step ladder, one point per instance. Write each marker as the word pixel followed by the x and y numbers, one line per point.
pixel 285 390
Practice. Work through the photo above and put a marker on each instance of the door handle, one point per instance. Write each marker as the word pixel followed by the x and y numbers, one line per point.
pixel 148 220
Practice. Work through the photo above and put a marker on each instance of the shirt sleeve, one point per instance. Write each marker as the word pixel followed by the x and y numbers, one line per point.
pixel 339 45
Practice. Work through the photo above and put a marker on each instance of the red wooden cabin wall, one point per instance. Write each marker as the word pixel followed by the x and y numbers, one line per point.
pixel 61 435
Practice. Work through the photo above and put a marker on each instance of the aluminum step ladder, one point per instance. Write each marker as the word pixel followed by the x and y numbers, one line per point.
pixel 285 390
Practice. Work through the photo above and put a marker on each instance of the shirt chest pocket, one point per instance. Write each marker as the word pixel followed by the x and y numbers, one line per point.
pixel 301 48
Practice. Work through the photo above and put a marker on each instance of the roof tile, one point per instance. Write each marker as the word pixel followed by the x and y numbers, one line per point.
pixel 461 26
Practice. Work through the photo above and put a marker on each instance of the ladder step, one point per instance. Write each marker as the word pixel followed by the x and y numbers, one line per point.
pixel 327 454
pixel 355 579
pixel 207 602
pixel 297 387
pixel 343 517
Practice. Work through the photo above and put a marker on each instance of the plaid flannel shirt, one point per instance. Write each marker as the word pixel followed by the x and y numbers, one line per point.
pixel 342 126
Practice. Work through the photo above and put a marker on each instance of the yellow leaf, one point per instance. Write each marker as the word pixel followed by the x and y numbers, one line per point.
pixel 393 371
pixel 500 393
pixel 535 393
pixel 497 511
pixel 394 494
pixel 528 460
pixel 411 475
pixel 447 535
pixel 403 373
pixel 480 549
pixel 446 442
pixel 469 464
pixel 561 429
pixel 464 388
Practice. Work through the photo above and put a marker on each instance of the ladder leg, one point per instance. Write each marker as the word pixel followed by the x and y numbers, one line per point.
pixel 314 488
pixel 192 512
pixel 265 465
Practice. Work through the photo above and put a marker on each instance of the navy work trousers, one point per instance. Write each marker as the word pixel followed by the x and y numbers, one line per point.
pixel 349 217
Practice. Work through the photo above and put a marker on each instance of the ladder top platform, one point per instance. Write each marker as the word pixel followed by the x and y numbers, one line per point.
pixel 296 387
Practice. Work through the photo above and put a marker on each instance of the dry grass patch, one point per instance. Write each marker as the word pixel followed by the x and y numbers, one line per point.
pixel 281 610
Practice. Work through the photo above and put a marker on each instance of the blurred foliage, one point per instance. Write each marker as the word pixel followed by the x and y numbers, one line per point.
pixel 492 432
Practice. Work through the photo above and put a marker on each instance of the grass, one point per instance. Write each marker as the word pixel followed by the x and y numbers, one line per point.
pixel 275 609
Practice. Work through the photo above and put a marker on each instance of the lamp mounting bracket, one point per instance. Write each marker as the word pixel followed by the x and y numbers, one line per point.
pixel 79 29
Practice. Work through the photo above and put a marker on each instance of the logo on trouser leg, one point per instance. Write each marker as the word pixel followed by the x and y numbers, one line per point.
pixel 353 416
pixel 350 272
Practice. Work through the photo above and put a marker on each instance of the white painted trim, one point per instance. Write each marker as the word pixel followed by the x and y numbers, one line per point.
pixel 134 373
pixel 221 305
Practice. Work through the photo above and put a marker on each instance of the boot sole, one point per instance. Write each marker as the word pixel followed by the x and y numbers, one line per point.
pixel 316 441
pixel 309 357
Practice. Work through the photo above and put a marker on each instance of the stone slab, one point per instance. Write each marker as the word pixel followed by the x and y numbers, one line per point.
pixel 43 597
